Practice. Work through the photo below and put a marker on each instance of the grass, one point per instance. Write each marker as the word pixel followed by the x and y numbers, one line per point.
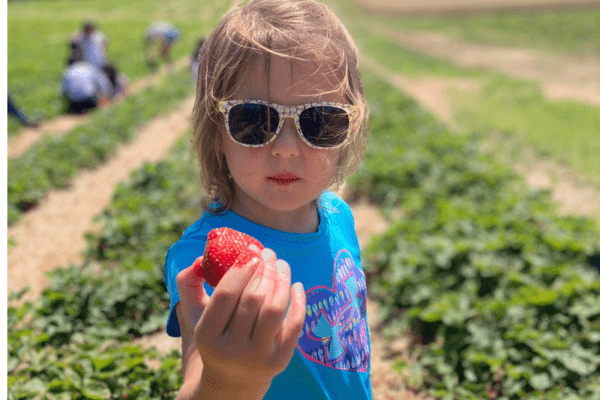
pixel 575 31
pixel 410 62
pixel 563 130
pixel 38 34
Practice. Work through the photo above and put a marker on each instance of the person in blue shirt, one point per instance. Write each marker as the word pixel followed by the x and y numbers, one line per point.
pixel 279 119
pixel 158 41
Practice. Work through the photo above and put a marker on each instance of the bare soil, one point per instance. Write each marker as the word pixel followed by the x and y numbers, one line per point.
pixel 565 77
pixel 52 234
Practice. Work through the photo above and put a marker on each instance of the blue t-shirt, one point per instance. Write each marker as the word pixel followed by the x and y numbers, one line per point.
pixel 83 81
pixel 332 359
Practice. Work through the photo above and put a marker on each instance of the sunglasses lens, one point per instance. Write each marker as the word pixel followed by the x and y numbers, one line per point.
pixel 325 126
pixel 252 124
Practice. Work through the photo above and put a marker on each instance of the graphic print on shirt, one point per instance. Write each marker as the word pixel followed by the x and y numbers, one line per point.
pixel 335 333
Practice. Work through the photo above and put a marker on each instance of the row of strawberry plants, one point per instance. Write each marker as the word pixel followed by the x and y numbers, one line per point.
pixel 118 293
pixel 52 162
pixel 74 342
pixel 498 288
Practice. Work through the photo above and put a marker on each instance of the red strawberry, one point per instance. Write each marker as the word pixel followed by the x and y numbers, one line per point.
pixel 225 247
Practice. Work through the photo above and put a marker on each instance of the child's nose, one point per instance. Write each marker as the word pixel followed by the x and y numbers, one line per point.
pixel 287 143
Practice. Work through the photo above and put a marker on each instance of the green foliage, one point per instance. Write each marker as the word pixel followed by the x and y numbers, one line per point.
pixel 52 162
pixel 571 31
pixel 410 62
pixel 564 130
pixel 498 288
pixel 87 369
pixel 567 30
pixel 74 342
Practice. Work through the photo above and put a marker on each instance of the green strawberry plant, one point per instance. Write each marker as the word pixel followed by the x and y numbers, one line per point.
pixel 497 288
pixel 51 163
pixel 74 341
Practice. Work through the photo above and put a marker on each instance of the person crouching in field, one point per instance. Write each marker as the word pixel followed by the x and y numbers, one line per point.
pixel 158 41
pixel 279 118
pixel 86 86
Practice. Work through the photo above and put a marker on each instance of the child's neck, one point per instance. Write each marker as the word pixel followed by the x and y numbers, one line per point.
pixel 304 220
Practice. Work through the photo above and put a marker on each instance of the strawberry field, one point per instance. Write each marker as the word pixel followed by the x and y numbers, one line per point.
pixel 499 294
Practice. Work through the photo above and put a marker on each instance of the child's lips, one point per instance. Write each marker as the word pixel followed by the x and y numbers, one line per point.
pixel 283 179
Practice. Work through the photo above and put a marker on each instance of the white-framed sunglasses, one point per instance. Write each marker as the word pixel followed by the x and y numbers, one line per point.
pixel 256 123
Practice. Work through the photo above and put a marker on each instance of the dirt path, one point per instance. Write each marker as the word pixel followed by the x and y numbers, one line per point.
pixel 564 77
pixel 572 196
pixel 63 124
pixel 52 234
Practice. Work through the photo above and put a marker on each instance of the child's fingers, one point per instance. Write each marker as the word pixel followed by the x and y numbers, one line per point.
pixel 224 299
pixel 192 296
pixel 275 306
pixel 256 292
pixel 293 323
pixel 269 255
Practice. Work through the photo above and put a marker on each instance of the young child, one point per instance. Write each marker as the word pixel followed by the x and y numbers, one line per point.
pixel 279 118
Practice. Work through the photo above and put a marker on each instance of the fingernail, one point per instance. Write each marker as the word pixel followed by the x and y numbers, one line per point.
pixel 282 267
pixel 298 288
pixel 253 247
pixel 267 253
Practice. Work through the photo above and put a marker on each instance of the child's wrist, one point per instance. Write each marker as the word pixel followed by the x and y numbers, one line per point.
pixel 217 385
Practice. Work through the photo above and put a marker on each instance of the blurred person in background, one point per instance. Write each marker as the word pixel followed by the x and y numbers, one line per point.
pixel 158 41
pixel 14 110
pixel 89 45
pixel 86 86
pixel 194 60
pixel 76 52
pixel 118 80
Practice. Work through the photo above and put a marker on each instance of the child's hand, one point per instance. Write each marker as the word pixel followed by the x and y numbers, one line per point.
pixel 244 332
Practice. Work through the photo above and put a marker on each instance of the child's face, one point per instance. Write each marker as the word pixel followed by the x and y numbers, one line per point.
pixel 286 175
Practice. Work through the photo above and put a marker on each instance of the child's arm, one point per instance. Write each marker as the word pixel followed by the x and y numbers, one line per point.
pixel 236 341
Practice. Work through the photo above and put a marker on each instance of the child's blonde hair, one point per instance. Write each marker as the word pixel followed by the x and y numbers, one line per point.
pixel 299 30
